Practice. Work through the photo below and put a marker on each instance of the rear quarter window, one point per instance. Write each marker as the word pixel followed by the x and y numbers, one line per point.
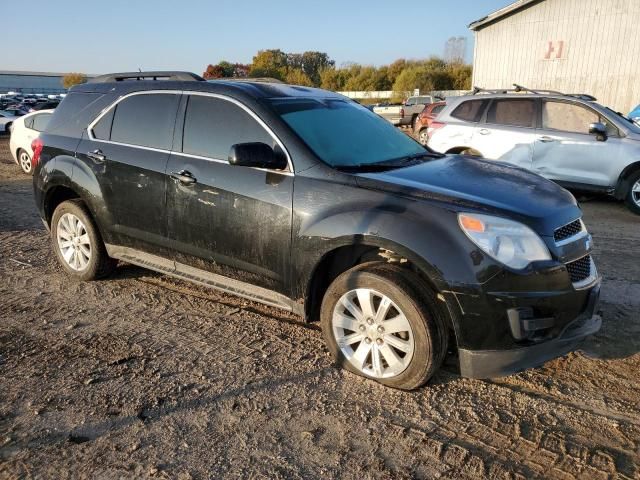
pixel 469 111
pixel 75 112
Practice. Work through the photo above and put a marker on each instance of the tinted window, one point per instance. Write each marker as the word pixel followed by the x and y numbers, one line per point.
pixel 437 109
pixel 343 133
pixel 517 113
pixel 146 120
pixel 102 129
pixel 41 121
pixel 470 111
pixel 212 125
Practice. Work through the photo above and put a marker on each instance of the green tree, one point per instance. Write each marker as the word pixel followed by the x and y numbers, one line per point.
pixel 269 63
pixel 73 78
pixel 295 76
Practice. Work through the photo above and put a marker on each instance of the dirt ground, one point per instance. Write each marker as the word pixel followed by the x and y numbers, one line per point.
pixel 143 376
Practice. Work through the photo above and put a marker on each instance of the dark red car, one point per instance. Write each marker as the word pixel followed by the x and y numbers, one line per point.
pixel 424 120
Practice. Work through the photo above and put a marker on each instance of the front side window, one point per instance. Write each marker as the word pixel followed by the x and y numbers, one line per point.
pixel 567 117
pixel 146 120
pixel 212 125
pixel 515 113
pixel 343 133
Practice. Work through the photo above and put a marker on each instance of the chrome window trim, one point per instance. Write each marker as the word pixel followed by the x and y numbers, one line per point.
pixel 106 110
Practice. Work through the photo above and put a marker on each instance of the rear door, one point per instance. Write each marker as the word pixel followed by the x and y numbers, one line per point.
pixel 566 152
pixel 508 132
pixel 230 220
pixel 128 149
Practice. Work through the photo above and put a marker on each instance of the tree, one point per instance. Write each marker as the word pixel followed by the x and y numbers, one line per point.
pixel 73 78
pixel 269 63
pixel 295 76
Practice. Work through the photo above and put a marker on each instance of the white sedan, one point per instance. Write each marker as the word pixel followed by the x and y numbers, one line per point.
pixel 6 119
pixel 25 130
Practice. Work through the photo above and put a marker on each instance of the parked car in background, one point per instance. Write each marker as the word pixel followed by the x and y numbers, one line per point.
pixel 404 114
pixel 47 105
pixel 16 110
pixel 570 139
pixel 428 114
pixel 6 119
pixel 25 130
pixel 299 198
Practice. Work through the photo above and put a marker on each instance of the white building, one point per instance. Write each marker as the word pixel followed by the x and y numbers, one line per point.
pixel 574 46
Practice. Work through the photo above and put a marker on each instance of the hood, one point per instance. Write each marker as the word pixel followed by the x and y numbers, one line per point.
pixel 493 187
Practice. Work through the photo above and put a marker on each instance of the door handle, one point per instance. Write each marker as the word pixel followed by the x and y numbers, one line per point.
pixel 184 177
pixel 484 131
pixel 546 139
pixel 97 156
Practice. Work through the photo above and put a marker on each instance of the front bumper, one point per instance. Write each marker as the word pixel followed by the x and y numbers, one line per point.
pixel 496 363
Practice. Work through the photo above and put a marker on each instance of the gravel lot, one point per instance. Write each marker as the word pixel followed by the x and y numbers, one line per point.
pixel 144 376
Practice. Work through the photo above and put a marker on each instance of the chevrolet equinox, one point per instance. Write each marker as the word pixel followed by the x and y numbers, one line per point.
pixel 302 199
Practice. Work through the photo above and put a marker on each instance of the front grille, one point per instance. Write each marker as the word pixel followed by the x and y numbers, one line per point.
pixel 579 269
pixel 567 231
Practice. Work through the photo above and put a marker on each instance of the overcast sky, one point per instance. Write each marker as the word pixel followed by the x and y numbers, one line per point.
pixel 119 35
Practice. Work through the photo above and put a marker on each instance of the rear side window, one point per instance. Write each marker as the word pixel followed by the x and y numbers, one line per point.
pixel 212 126
pixel 73 114
pixel 146 120
pixel 515 113
pixel 102 129
pixel 41 121
pixel 469 111
pixel 28 122
pixel 437 109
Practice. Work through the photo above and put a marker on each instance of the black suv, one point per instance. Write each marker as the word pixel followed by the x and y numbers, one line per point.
pixel 302 199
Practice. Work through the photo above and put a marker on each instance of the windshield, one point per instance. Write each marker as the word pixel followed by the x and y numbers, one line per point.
pixel 633 126
pixel 345 134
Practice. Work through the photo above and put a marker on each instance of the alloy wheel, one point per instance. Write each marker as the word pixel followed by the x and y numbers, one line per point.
pixel 635 193
pixel 73 241
pixel 423 137
pixel 25 161
pixel 373 333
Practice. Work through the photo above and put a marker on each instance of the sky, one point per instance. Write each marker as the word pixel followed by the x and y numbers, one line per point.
pixel 123 35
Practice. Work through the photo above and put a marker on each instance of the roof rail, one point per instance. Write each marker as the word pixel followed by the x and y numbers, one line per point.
pixel 247 79
pixel 168 75
pixel 519 88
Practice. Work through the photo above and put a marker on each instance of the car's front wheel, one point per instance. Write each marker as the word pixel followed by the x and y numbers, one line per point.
pixel 25 161
pixel 633 195
pixel 77 242
pixel 380 322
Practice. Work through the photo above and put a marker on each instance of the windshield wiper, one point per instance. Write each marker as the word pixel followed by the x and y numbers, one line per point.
pixel 400 162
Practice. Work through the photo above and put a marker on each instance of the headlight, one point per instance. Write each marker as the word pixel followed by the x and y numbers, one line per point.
pixel 509 242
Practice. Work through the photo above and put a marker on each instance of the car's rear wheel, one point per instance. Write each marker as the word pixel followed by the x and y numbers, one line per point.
pixel 380 322
pixel 7 127
pixel 77 242
pixel 633 195
pixel 25 161
pixel 423 137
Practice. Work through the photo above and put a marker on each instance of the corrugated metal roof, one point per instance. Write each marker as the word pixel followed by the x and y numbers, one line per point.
pixel 504 11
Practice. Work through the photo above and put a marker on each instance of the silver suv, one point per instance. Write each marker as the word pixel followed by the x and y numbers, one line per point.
pixel 570 139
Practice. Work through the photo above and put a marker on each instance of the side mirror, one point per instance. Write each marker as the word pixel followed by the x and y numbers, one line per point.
pixel 598 129
pixel 256 154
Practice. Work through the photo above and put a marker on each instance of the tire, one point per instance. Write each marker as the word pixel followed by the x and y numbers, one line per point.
pixel 24 160
pixel 406 358
pixel 413 122
pixel 423 137
pixel 632 199
pixel 7 127
pixel 68 236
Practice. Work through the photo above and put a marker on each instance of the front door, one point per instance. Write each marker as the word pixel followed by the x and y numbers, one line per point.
pixel 128 150
pixel 229 220
pixel 509 132
pixel 565 151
